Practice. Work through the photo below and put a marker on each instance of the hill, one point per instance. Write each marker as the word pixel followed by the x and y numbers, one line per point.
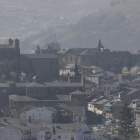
pixel 117 26
pixel 25 19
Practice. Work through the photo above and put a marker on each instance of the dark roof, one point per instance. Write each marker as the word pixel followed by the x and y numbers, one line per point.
pixel 68 127
pixel 77 92
pixel 22 84
pixel 36 85
pixel 21 98
pixel 53 84
pixel 4 84
pixel 60 84
pixel 63 97
pixel 46 55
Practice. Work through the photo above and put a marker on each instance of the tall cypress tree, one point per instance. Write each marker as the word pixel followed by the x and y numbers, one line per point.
pixel 127 129
pixel 59 117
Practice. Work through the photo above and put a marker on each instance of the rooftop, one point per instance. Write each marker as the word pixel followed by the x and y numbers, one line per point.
pixel 78 92
pixel 20 98
pixel 46 55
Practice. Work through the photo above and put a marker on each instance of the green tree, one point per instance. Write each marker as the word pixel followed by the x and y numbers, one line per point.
pixel 61 65
pixel 14 76
pixel 3 78
pixel 59 117
pixel 127 129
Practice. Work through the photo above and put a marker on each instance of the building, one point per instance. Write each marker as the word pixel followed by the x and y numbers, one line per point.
pixel 75 98
pixel 113 109
pixel 42 65
pixel 14 130
pixel 43 113
pixel 24 129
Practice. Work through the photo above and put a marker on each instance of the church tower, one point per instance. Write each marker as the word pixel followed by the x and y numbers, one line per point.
pixel 100 46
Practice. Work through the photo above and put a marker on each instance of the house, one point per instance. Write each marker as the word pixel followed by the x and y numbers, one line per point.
pixel 41 113
pixel 91 104
pixel 29 129
pixel 77 113
pixel 113 109
pixel 14 130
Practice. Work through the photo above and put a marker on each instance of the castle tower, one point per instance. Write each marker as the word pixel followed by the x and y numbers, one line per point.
pixel 10 42
pixel 16 43
pixel 16 48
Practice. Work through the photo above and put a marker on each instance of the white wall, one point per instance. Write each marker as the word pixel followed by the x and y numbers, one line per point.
pixel 40 114
pixel 65 136
pixel 10 133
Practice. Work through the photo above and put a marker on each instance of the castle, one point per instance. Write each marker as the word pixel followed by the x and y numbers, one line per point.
pixel 43 65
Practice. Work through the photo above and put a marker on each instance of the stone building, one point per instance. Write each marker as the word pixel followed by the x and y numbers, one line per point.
pixel 99 56
pixel 113 109
pixel 44 64
pixel 77 98
pixel 38 91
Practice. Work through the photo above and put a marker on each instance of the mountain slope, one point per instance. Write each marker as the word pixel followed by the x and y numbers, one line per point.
pixel 118 27
pixel 26 18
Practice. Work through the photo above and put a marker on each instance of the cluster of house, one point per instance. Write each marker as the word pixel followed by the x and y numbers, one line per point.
pixel 84 89
pixel 37 124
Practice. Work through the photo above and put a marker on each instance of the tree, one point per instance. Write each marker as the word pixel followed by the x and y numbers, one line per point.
pixel 3 78
pixel 61 65
pixel 14 76
pixel 127 130
pixel 23 77
pixel 59 117
pixel 134 70
pixel 125 70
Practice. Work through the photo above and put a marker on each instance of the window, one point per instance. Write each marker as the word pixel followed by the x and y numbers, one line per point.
pixel 59 137
pixel 66 137
pixel 4 90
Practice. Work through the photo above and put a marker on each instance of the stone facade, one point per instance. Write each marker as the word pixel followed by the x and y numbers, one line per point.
pixel 104 58
pixel 42 65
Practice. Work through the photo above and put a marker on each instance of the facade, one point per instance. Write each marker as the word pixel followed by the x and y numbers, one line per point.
pixel 113 109
pixel 38 91
pixel 43 114
pixel 42 65
pixel 99 56
pixel 77 98
pixel 37 130
pixel 14 131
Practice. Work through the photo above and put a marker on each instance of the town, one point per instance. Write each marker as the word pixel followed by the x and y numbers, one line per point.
pixel 67 94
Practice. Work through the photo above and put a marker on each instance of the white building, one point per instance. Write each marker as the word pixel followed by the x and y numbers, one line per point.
pixel 14 131
pixel 42 113
pixel 135 104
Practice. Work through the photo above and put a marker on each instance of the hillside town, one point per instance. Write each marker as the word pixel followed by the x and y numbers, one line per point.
pixel 67 94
